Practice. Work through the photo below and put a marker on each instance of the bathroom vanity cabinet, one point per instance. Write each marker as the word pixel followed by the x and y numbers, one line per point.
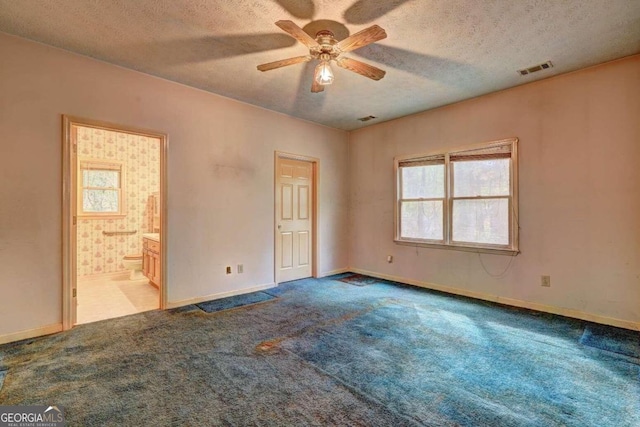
pixel 151 260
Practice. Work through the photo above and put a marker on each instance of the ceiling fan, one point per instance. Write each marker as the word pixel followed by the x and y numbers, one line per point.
pixel 326 48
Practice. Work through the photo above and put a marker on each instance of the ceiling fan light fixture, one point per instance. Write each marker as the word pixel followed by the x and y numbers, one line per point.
pixel 326 48
pixel 324 73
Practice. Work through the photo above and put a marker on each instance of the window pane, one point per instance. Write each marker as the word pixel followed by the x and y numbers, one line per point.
pixel 421 220
pixel 100 201
pixel 101 178
pixel 426 182
pixel 481 178
pixel 481 221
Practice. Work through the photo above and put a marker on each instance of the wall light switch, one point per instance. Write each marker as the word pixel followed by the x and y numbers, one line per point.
pixel 240 268
pixel 228 269
pixel 545 281
pixel 389 259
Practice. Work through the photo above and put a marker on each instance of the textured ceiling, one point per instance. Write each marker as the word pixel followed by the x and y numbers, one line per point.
pixel 437 51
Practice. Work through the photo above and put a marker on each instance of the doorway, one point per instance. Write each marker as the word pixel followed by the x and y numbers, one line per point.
pixel 296 217
pixel 114 220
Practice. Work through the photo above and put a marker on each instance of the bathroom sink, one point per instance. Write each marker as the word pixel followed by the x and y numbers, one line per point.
pixel 152 236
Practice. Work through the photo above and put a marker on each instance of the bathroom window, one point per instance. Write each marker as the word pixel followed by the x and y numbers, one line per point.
pixel 465 198
pixel 101 185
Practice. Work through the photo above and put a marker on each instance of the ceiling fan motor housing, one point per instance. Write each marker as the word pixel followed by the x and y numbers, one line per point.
pixel 327 48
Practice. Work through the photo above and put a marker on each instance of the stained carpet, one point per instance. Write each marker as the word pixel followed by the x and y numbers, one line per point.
pixel 358 280
pixel 328 353
pixel 234 302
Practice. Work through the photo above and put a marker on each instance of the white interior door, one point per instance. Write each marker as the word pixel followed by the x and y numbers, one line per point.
pixel 294 219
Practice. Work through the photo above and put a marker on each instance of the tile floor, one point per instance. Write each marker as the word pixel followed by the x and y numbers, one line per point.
pixel 108 297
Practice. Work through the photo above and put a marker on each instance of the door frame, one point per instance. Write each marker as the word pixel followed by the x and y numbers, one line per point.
pixel 315 175
pixel 69 193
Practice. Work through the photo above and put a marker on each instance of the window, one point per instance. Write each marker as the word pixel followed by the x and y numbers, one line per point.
pixel 461 199
pixel 100 183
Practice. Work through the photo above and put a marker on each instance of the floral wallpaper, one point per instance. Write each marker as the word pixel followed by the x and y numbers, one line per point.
pixel 97 253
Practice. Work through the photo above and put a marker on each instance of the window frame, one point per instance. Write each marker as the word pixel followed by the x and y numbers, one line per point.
pixel 445 204
pixel 100 164
pixel 512 248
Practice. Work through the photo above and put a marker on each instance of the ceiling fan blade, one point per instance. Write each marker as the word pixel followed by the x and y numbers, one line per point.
pixel 315 86
pixel 362 38
pixel 283 63
pixel 297 33
pixel 361 68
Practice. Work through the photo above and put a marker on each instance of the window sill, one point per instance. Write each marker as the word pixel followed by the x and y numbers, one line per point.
pixel 476 249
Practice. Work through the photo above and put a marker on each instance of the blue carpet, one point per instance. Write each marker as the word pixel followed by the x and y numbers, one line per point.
pixel 326 353
pixel 616 340
pixel 234 302
pixel 510 367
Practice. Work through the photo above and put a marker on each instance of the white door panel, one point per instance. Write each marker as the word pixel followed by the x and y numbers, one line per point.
pixel 286 240
pixel 294 214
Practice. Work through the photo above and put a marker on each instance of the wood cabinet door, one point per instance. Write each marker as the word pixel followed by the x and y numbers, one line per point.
pixel 156 269
pixel 146 263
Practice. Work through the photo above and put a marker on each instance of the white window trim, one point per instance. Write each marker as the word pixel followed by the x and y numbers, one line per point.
pixel 448 243
pixel 106 165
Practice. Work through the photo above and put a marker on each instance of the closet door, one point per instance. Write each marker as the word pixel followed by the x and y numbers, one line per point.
pixel 294 219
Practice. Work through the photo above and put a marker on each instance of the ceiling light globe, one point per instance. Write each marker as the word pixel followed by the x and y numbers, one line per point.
pixel 324 74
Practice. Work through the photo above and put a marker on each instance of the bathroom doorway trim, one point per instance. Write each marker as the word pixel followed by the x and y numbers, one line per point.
pixel 69 210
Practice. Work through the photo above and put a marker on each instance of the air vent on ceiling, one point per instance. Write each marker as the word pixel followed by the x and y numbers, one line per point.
pixel 535 68
pixel 366 119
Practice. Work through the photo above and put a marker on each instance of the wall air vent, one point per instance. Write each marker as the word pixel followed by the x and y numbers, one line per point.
pixel 366 119
pixel 535 68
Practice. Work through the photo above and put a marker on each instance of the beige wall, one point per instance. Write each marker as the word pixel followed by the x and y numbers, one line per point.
pixel 140 159
pixel 220 166
pixel 579 193
pixel 579 185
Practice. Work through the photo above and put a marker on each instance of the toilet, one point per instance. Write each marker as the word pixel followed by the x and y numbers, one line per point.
pixel 133 263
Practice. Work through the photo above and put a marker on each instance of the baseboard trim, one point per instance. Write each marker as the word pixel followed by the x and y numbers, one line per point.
pixel 568 312
pixel 333 272
pixel 176 304
pixel 31 333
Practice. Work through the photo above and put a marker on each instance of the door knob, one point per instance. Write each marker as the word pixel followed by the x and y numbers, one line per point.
pixel 279 226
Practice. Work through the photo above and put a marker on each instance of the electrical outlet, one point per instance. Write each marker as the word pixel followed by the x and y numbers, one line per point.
pixel 240 268
pixel 545 281
pixel 228 269
pixel 389 259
